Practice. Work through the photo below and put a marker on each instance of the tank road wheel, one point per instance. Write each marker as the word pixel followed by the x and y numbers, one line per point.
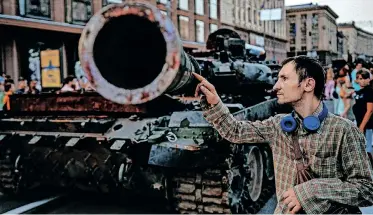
pixel 11 181
pixel 246 180
pixel 253 167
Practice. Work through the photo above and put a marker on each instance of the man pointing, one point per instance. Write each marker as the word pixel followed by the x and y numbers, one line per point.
pixel 332 148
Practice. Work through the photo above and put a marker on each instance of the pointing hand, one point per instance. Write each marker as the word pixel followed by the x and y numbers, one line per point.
pixel 207 89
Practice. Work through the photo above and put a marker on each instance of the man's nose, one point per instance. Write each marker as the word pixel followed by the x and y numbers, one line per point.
pixel 276 87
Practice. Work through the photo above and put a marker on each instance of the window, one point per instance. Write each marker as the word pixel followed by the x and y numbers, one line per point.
pixel 78 11
pixel 107 2
pixel 183 27
pixel 249 14
pixel 39 8
pixel 213 9
pixel 213 28
pixel 255 17
pixel 199 7
pixel 242 15
pixel 183 4
pixel 200 31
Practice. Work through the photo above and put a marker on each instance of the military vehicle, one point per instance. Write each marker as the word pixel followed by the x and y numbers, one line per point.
pixel 139 132
pixel 229 62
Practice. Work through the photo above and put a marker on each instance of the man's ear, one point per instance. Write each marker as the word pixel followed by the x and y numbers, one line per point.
pixel 310 84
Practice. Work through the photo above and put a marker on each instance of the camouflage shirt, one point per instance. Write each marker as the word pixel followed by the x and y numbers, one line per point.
pixel 336 154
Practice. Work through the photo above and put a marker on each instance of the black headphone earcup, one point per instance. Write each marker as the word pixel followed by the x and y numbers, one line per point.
pixel 288 124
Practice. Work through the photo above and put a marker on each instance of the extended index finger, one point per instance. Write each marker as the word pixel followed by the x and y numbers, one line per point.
pixel 198 76
pixel 284 196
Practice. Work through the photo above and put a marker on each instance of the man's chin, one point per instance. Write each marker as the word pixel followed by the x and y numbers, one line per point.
pixel 280 101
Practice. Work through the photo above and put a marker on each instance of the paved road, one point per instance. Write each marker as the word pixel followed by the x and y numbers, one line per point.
pixel 270 206
pixel 94 203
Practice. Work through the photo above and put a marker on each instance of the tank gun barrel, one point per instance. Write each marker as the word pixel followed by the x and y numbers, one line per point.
pixel 132 54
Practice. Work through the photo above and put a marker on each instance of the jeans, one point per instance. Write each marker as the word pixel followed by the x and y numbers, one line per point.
pixel 368 136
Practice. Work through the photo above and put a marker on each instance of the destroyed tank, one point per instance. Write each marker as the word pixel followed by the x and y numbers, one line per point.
pixel 229 61
pixel 142 130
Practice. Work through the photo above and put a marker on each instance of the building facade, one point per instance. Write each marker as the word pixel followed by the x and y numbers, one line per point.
pixel 342 45
pixel 243 16
pixel 359 42
pixel 39 34
pixel 312 30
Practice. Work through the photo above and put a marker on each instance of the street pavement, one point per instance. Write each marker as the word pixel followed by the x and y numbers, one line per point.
pixel 270 206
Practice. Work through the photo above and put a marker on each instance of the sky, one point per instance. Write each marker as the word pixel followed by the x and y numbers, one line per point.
pixel 347 10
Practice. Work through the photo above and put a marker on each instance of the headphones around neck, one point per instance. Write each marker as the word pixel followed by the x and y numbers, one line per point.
pixel 310 123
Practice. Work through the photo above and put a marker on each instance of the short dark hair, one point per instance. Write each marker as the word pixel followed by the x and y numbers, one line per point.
pixel 364 74
pixel 10 81
pixel 68 79
pixel 307 67
pixel 7 87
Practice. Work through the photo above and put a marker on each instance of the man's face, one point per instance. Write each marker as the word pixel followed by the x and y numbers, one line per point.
pixel 288 88
pixel 33 84
pixel 362 82
pixel 22 84
pixel 359 66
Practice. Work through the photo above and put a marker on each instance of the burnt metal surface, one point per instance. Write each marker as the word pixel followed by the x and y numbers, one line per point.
pixel 188 119
pixel 86 104
pixel 175 73
pixel 70 102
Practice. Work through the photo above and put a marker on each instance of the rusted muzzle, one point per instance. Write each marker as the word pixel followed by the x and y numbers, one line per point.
pixel 132 54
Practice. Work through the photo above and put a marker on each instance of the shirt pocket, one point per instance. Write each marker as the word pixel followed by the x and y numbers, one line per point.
pixel 324 167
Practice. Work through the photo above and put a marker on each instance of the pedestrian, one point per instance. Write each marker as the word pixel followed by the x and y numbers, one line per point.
pixel 329 85
pixel 68 85
pixel 319 158
pixel 359 66
pixel 329 89
pixel 9 90
pixel 345 91
pixel 33 87
pixel 363 108
pixel 2 92
pixel 22 86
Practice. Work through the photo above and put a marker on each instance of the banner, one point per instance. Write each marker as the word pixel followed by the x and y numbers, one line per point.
pixel 51 78
pixel 51 69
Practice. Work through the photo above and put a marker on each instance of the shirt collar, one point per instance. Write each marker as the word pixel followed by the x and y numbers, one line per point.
pixel 299 119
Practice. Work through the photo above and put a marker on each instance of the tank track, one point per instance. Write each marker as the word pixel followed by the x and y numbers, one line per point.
pixel 201 192
pixel 207 192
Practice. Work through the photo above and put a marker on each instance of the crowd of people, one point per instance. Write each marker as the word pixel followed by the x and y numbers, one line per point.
pixel 7 87
pixel 350 94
